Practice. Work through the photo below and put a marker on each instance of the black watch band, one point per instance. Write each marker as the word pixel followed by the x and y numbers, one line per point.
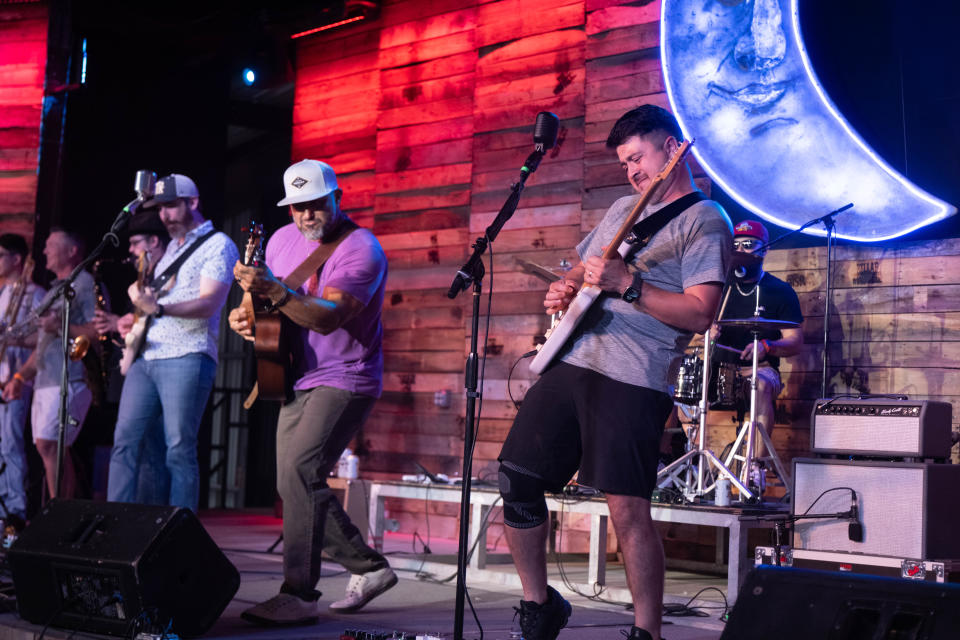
pixel 159 312
pixel 632 293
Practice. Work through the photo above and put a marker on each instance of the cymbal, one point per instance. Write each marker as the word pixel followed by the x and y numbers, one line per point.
pixel 758 323
pixel 539 271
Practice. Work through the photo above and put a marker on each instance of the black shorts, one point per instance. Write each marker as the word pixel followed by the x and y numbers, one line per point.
pixel 577 418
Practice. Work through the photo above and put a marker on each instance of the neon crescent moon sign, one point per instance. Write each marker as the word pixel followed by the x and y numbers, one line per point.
pixel 739 80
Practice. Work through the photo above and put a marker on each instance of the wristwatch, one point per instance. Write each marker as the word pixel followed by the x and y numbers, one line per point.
pixel 632 293
pixel 159 312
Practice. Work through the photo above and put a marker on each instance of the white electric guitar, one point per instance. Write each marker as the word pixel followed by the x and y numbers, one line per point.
pixel 558 334
pixel 134 340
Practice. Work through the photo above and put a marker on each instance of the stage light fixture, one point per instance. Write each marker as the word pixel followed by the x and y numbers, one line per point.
pixel 249 76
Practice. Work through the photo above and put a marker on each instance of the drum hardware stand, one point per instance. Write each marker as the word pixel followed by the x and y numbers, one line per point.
pixel 693 460
pixel 749 429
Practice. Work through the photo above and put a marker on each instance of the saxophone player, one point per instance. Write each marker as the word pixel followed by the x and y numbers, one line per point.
pixel 18 297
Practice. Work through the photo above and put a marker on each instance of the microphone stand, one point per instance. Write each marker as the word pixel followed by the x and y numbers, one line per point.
pixel 66 291
pixel 780 522
pixel 830 224
pixel 473 271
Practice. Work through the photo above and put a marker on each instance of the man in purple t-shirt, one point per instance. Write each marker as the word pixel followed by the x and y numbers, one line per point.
pixel 337 354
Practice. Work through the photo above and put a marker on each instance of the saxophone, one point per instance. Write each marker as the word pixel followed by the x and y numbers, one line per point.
pixel 16 301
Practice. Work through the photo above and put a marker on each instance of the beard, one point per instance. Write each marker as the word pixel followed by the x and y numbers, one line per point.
pixel 313 235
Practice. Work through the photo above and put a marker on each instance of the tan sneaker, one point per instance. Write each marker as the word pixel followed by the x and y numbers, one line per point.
pixel 363 588
pixel 281 610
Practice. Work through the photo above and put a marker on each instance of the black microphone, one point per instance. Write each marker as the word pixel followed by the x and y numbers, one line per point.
pixel 855 528
pixel 544 137
pixel 545 130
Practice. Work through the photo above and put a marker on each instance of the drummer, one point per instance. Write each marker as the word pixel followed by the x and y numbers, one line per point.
pixel 778 301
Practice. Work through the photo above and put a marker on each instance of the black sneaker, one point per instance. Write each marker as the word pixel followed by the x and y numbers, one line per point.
pixel 544 621
pixel 636 633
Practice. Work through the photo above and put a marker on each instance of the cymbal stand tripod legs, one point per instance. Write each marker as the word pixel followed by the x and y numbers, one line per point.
pixel 686 473
pixel 750 432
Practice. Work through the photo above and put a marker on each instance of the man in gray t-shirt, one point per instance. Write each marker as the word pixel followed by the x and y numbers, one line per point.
pixel 601 405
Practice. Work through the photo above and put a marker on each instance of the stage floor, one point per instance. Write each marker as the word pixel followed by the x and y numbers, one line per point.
pixel 419 603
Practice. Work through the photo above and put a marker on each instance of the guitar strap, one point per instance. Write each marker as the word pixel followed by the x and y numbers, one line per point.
pixel 157 283
pixel 644 230
pixel 315 261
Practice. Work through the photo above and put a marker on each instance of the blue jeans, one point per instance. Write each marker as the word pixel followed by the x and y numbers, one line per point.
pixel 168 394
pixel 13 419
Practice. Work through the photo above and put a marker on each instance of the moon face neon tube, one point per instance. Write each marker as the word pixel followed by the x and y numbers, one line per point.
pixel 739 80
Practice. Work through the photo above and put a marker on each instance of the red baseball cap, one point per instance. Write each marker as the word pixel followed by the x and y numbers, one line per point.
pixel 752 228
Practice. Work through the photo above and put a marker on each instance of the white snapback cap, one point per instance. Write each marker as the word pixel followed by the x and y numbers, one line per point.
pixel 307 180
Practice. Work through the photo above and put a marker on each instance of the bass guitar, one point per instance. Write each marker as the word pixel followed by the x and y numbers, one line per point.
pixel 558 334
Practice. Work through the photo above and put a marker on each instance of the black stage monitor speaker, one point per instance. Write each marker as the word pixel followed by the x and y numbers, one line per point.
pixel 800 604
pixel 107 566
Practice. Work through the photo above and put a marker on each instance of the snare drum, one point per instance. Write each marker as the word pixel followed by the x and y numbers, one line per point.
pixel 726 384
pixel 689 385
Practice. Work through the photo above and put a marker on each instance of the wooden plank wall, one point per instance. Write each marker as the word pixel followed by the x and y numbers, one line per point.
pixel 427 115
pixel 23 56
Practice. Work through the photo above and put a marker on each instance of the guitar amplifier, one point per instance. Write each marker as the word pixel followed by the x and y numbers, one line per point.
pixel 881 427
pixel 906 509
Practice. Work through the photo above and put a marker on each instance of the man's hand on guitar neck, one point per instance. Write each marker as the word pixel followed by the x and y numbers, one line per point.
pixel 259 281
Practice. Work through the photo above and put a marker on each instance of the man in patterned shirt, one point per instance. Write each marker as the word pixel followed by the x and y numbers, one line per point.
pixel 168 385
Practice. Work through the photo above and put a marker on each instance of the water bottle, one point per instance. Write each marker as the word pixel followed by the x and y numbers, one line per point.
pixel 721 496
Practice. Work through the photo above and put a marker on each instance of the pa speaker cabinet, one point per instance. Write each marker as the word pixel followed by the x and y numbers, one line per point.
pixel 96 566
pixel 797 604
pixel 908 510
pixel 881 427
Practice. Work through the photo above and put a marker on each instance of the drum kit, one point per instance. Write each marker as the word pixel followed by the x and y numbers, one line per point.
pixel 720 386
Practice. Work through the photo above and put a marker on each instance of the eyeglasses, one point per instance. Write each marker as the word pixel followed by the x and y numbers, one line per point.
pixel 746 245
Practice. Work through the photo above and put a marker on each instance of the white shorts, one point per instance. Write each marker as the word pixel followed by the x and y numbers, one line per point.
pixel 45 416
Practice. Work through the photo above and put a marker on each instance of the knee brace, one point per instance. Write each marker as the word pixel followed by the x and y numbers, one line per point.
pixel 524 506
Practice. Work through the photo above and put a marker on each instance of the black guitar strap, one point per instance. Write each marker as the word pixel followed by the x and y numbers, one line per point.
pixel 644 230
pixel 157 283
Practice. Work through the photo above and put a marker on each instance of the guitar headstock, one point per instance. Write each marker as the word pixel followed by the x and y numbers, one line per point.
pixel 676 159
pixel 253 250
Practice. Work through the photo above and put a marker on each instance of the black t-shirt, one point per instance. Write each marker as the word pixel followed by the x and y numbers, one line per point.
pixel 778 301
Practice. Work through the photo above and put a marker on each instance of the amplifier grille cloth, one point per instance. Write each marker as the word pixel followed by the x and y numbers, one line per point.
pixel 891 508
pixel 867 433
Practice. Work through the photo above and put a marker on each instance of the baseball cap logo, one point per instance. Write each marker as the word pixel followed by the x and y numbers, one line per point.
pixel 298 182
pixel 744 226
pixel 159 187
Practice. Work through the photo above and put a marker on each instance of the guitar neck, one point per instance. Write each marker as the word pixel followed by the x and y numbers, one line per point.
pixel 613 249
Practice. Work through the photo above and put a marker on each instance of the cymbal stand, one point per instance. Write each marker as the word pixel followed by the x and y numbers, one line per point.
pixel 698 455
pixel 749 431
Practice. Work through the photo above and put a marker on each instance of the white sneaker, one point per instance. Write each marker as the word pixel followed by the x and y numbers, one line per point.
pixel 363 588
pixel 283 609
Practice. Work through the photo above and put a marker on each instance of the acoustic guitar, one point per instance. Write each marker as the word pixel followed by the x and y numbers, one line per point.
pixel 270 342
pixel 558 335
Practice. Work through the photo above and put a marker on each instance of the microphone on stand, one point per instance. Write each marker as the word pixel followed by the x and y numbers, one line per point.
pixel 544 138
pixel 143 183
pixel 855 528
